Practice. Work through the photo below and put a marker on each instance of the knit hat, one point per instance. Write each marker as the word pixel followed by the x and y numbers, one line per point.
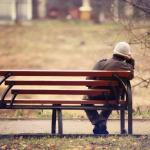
pixel 123 49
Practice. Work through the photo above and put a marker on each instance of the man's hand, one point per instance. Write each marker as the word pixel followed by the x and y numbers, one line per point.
pixel 131 61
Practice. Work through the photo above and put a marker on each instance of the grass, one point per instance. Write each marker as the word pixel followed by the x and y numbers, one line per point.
pixel 46 44
pixel 138 113
pixel 101 143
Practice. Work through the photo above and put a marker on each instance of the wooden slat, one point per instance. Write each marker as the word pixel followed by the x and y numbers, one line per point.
pixel 35 101
pixel 96 73
pixel 59 92
pixel 64 83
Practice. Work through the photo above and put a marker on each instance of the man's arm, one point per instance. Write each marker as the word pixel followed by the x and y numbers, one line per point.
pixel 131 61
pixel 128 65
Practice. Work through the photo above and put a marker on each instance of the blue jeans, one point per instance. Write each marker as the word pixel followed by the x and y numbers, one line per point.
pixel 93 115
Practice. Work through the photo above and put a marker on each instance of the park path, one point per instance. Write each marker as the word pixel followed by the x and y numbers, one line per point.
pixel 70 126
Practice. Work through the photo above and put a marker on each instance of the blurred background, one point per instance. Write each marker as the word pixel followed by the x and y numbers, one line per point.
pixel 75 34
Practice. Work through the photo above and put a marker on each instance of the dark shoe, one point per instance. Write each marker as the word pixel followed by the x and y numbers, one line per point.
pixel 100 130
pixel 2 104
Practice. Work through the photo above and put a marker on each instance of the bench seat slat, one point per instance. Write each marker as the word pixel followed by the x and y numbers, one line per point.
pixel 67 92
pixel 64 83
pixel 35 101
pixel 98 73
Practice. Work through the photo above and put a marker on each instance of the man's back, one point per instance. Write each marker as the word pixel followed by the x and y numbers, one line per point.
pixel 114 63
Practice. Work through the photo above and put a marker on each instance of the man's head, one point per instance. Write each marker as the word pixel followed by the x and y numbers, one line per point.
pixel 123 49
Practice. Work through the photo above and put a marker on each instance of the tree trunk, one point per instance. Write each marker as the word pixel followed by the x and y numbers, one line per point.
pixel 116 11
pixel 121 9
pixel 137 11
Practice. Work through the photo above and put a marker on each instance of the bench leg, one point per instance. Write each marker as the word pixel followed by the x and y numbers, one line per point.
pixel 53 131
pixel 122 122
pixel 130 119
pixel 60 125
pixel 129 110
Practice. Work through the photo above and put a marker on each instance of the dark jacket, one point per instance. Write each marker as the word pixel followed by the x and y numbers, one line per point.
pixel 114 63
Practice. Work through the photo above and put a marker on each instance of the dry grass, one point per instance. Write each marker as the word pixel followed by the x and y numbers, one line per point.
pixel 52 44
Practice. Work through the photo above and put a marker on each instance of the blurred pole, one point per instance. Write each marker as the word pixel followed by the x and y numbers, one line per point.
pixel 23 10
pixel 107 9
pixel 42 9
pixel 29 10
pixel 137 11
pixel 35 9
pixel 97 13
pixel 7 10
pixel 85 10
pixel 13 10
pixel 121 9
pixel 116 12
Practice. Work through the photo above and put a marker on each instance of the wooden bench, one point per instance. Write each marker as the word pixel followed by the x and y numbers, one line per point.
pixel 70 84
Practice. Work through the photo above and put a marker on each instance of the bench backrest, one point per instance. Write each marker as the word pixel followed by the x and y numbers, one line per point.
pixel 73 80
pixel 98 73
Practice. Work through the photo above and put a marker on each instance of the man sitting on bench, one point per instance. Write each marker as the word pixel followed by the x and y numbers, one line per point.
pixel 121 60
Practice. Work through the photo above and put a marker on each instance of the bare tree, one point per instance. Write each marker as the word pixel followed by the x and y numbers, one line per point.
pixel 138 29
pixel 143 9
pixel 142 5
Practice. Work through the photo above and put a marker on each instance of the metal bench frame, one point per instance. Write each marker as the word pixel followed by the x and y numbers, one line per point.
pixel 111 78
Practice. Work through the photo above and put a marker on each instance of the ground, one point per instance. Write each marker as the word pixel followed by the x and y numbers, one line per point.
pixel 72 126
pixel 101 143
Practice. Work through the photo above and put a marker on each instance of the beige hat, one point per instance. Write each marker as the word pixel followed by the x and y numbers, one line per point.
pixel 123 49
